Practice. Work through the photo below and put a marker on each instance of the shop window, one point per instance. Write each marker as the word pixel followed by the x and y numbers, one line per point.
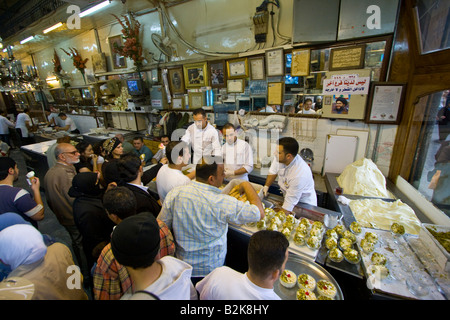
pixel 430 173
pixel 433 23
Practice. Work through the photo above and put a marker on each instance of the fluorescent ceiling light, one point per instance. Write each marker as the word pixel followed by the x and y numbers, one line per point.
pixel 56 26
pixel 94 8
pixel 26 40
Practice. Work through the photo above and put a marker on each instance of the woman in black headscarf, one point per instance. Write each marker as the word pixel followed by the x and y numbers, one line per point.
pixel 89 214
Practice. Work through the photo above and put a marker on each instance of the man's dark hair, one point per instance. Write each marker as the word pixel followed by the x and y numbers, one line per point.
pixel 120 201
pixel 266 252
pixel 206 167
pixel 61 114
pixel 290 145
pixel 165 136
pixel 199 111
pixel 308 99
pixel 139 138
pixel 128 167
pixel 5 164
pixel 228 126
pixel 175 149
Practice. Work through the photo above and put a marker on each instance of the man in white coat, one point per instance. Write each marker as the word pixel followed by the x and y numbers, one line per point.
pixel 295 177
pixel 202 136
pixel 237 155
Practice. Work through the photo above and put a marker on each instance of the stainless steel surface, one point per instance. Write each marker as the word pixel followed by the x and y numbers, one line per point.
pixel 299 266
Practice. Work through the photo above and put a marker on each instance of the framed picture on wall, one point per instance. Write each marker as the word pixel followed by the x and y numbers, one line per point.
pixel 347 58
pixel 385 102
pixel 237 68
pixel 275 63
pixel 176 82
pixel 99 63
pixel 300 63
pixel 196 100
pixel 257 68
pixel 236 85
pixel 275 92
pixel 217 74
pixel 195 75
pixel 118 61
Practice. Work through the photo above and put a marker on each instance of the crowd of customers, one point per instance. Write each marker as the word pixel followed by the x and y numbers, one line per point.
pixel 127 242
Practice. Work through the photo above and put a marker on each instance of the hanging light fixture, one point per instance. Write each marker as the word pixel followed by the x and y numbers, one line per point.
pixel 27 39
pixel 56 26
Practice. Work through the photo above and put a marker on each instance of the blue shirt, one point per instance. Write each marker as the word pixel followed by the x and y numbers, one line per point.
pixel 145 150
pixel 20 201
pixel 199 214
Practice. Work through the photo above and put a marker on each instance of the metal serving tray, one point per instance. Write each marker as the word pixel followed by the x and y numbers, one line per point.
pixel 299 266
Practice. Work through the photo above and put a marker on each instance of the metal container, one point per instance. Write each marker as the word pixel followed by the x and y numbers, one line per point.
pixel 299 266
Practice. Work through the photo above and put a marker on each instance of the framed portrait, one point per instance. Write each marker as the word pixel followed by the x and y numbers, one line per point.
pixel 217 74
pixel 195 75
pixel 235 85
pixel 196 100
pixel 275 63
pixel 176 82
pixel 257 68
pixel 237 68
pixel 385 102
pixel 347 58
pixel 118 61
pixel 300 63
pixel 275 92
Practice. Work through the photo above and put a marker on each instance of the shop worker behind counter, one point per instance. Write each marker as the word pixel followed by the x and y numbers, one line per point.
pixel 202 136
pixel 295 177
pixel 69 124
pixel 198 214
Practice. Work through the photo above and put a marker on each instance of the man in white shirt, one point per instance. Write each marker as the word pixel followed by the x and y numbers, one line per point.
pixel 69 124
pixel 295 177
pixel 307 107
pixel 267 254
pixel 5 124
pixel 23 126
pixel 237 155
pixel 135 243
pixel 202 136
pixel 170 175
pixel 270 109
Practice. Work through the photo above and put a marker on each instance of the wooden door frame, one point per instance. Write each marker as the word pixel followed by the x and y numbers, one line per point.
pixel 424 74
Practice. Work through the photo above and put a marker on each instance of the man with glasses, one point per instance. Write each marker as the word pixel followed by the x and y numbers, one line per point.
pixel 57 182
pixel 202 136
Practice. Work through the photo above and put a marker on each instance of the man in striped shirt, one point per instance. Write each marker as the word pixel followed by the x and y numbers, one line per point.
pixel 19 200
pixel 199 213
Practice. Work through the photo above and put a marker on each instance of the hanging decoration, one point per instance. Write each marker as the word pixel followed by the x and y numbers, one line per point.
pixel 132 47
pixel 78 61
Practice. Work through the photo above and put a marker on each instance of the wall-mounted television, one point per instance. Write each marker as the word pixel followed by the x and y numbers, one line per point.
pixel 289 81
pixel 135 87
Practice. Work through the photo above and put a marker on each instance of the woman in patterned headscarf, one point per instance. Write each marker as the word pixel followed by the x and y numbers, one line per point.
pixel 113 148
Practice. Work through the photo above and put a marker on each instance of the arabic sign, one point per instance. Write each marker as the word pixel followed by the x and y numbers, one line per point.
pixel 347 58
pixel 346 84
